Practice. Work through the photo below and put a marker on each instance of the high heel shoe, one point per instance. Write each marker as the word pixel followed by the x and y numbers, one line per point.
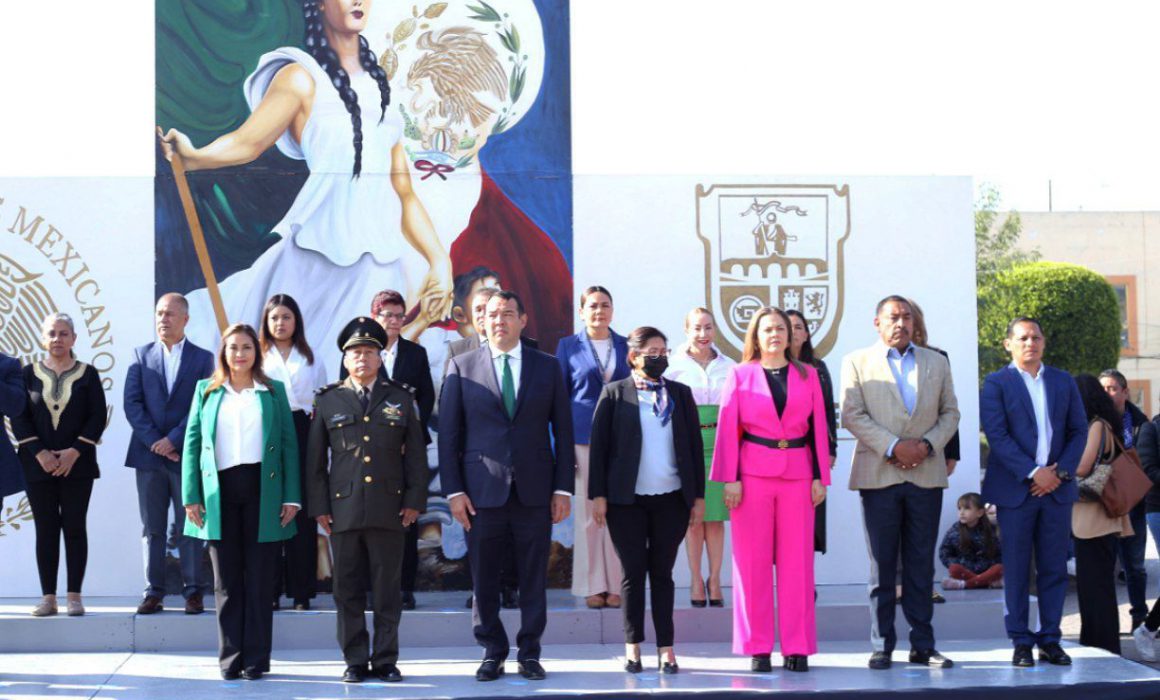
pixel 713 602
pixel 698 603
pixel 796 663
pixel 666 667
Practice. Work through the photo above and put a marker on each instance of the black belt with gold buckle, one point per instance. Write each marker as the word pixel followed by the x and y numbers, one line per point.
pixel 776 444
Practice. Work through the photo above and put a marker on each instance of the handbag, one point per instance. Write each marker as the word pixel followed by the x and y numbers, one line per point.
pixel 1091 487
pixel 1127 484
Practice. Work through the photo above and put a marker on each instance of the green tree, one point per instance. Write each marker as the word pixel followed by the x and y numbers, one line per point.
pixel 1077 307
pixel 995 239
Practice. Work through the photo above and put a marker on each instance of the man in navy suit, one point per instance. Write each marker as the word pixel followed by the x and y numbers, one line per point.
pixel 12 400
pixel 506 466
pixel 1036 428
pixel 158 394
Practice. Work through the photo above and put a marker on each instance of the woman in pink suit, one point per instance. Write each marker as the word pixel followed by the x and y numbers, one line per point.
pixel 770 434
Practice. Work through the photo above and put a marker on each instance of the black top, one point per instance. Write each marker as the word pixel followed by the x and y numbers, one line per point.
pixel 778 385
pixel 62 411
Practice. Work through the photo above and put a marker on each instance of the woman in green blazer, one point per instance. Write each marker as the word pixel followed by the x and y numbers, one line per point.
pixel 241 489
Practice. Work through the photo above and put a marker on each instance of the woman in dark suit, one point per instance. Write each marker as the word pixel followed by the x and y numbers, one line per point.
pixel 802 349
pixel 646 478
pixel 590 359
pixel 241 488
pixel 57 436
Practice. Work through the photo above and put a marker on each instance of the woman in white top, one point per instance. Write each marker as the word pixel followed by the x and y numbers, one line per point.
pixel 699 365
pixel 345 235
pixel 287 357
pixel 241 487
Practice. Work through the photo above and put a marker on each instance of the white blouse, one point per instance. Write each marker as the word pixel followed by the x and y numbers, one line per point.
pixel 706 382
pixel 299 378
pixel 239 436
pixel 657 473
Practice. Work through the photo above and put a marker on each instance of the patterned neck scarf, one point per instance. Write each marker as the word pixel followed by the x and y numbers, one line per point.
pixel 662 407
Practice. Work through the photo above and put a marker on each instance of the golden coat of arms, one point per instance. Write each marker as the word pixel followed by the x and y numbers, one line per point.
pixel 773 245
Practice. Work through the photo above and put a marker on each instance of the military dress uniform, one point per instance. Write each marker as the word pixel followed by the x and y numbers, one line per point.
pixel 366 461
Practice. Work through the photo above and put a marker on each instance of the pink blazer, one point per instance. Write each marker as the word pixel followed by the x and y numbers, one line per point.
pixel 747 406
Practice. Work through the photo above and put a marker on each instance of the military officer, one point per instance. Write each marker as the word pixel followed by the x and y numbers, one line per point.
pixel 366 481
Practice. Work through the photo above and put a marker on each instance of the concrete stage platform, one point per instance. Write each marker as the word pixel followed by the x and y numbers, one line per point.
pixel 708 670
pixel 441 620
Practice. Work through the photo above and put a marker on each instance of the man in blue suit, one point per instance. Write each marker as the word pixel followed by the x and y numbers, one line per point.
pixel 158 394
pixel 506 466
pixel 1036 428
pixel 12 400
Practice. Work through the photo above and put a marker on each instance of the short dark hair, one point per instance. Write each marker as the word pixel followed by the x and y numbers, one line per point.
pixel 639 337
pixel 384 298
pixel 1024 319
pixel 1117 375
pixel 895 298
pixel 594 289
pixel 461 287
pixel 509 295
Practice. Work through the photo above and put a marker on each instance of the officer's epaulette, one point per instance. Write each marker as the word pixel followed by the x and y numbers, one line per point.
pixel 323 389
pixel 402 385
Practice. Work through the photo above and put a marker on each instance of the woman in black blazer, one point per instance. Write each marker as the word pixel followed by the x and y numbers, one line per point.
pixel 647 479
pixel 57 435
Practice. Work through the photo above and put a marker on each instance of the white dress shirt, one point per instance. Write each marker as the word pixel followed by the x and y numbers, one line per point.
pixel 172 361
pixel 389 356
pixel 515 357
pixel 706 382
pixel 1038 390
pixel 300 378
pixel 657 473
pixel 239 427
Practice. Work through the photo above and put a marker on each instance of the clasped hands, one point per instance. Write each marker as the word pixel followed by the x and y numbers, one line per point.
pixel 58 462
pixel 909 453
pixel 1045 480
pixel 166 449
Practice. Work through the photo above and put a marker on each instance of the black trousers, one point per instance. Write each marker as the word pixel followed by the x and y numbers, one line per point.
pixel 244 574
pixel 1095 583
pixel 647 537
pixel 299 569
pixel 901 520
pixel 368 559
pixel 60 505
pixel 493 531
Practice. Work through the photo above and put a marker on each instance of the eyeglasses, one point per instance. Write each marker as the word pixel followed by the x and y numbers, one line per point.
pixel 654 353
pixel 387 316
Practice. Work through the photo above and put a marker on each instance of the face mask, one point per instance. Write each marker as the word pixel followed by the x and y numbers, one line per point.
pixel 654 367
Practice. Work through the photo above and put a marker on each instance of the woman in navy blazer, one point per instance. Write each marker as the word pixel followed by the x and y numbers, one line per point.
pixel 590 359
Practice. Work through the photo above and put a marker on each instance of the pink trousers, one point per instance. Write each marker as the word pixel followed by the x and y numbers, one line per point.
pixel 773 526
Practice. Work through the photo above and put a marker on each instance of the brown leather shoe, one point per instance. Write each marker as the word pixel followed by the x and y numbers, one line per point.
pixel 151 604
pixel 194 605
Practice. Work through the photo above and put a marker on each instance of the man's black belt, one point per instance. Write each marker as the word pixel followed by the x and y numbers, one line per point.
pixel 776 444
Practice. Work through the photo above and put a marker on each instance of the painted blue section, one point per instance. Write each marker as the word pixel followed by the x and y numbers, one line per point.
pixel 532 162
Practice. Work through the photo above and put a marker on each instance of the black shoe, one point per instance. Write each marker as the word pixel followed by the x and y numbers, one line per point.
pixel 1022 657
pixel 354 674
pixel 1054 654
pixel 230 675
pixel 713 602
pixel 930 657
pixel 470 602
pixel 796 663
pixel 698 603
pixel 408 600
pixel 489 670
pixel 509 599
pixel 389 673
pixel 633 666
pixel 252 674
pixel 667 667
pixel 760 663
pixel 532 670
pixel 880 661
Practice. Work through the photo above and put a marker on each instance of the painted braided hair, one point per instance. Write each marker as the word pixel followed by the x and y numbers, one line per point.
pixel 319 48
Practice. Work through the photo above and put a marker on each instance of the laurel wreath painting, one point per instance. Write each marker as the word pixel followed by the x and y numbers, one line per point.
pixel 509 37
pixel 12 517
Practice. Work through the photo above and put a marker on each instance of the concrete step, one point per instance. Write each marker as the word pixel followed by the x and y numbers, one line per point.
pixel 441 620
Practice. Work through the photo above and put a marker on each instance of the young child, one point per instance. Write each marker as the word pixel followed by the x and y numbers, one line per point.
pixel 970 548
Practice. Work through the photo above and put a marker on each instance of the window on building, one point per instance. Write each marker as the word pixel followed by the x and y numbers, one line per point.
pixel 1125 289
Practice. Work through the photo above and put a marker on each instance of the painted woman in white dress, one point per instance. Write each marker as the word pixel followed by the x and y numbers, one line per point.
pixel 341 242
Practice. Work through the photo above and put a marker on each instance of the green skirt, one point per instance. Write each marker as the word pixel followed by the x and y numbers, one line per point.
pixel 715 510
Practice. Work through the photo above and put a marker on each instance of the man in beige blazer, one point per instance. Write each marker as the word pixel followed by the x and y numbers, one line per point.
pixel 898 400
